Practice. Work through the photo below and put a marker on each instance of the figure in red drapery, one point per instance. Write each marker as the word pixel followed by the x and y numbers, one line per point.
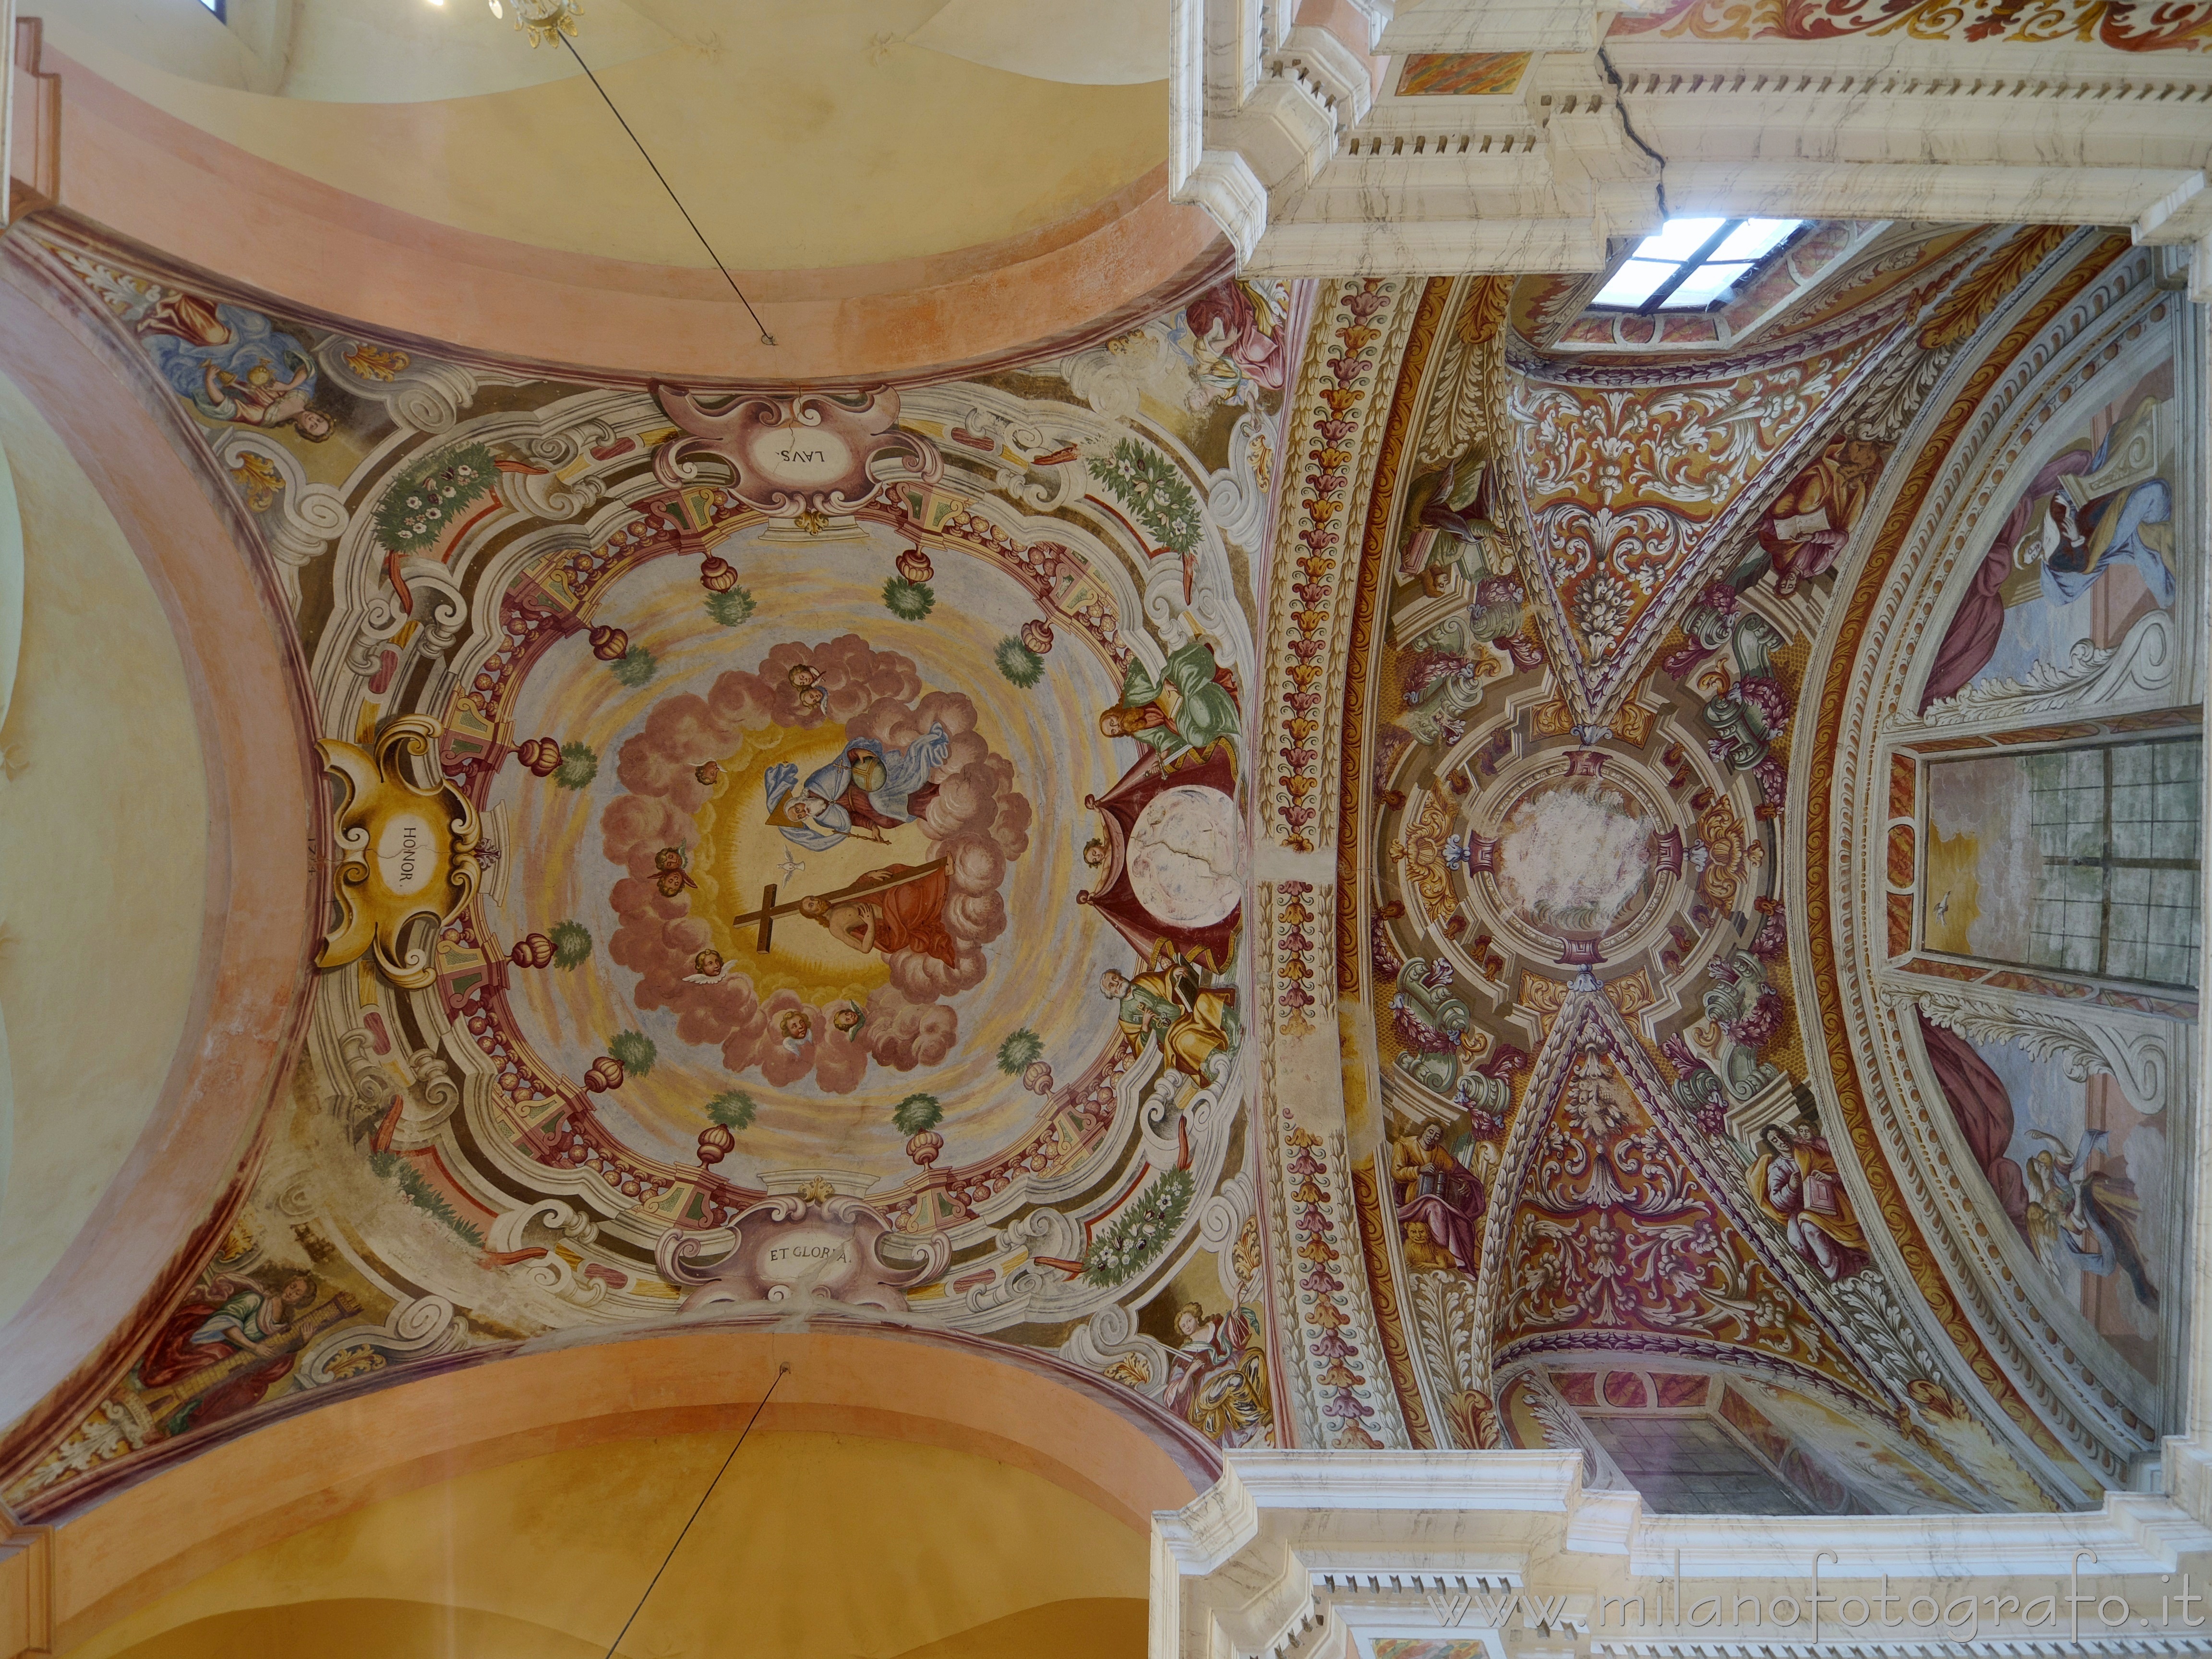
pixel 205 1332
pixel 909 917
pixel 1983 1110
pixel 1972 639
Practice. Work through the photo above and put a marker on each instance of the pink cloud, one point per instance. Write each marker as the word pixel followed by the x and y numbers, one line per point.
pixel 977 823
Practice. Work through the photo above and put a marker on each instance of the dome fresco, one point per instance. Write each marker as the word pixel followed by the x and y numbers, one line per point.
pixel 789 851
pixel 1341 831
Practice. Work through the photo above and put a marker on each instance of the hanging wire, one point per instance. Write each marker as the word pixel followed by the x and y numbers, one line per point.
pixel 780 1372
pixel 767 338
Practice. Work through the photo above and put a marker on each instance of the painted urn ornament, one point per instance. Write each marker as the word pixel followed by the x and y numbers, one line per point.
pixel 924 1147
pixel 914 565
pixel 531 950
pixel 541 755
pixel 606 1074
pixel 717 575
pixel 1038 635
pixel 715 1143
pixel 609 644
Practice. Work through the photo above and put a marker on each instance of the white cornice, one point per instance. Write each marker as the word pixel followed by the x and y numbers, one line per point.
pixel 1542 178
pixel 1298 1551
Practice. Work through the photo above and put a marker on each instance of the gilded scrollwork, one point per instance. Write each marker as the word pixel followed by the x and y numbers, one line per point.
pixel 407 853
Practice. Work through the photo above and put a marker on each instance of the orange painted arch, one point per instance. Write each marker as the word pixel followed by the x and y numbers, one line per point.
pixel 1024 1408
pixel 139 172
pixel 153 1226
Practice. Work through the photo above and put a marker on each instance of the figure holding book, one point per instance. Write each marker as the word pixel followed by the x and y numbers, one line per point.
pixel 1796 1184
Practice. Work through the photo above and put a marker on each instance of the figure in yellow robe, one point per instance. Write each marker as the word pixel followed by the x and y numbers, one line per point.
pixel 1798 1187
pixel 1193 1023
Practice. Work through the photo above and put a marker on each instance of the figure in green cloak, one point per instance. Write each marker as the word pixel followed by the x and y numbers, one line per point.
pixel 1183 713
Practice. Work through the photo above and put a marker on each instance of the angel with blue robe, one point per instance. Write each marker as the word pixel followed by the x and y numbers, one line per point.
pixel 231 363
pixel 2113 513
pixel 2086 1216
pixel 866 790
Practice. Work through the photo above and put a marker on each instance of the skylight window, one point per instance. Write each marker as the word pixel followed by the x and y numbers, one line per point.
pixel 1692 263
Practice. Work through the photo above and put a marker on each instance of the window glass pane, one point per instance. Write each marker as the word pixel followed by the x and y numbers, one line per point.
pixel 1679 238
pixel 2110 837
pixel 1755 237
pixel 1707 283
pixel 1633 283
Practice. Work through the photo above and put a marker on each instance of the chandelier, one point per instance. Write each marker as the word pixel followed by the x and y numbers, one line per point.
pixel 543 20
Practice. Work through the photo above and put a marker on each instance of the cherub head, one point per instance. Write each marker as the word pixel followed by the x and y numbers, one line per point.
pixel 794 1024
pixel 806 680
pixel 707 963
pixel 847 1018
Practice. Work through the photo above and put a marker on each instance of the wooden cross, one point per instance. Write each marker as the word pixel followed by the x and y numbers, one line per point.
pixel 769 909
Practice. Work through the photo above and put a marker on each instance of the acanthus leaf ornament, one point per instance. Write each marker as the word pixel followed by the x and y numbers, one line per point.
pixel 2141 666
pixel 2139 1061
pixel 805 456
pixel 407 854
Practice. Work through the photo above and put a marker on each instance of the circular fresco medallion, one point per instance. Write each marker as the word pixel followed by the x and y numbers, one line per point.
pixel 1185 862
pixel 823 868
pixel 1572 855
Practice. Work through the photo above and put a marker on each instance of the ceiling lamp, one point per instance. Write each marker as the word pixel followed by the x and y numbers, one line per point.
pixel 544 21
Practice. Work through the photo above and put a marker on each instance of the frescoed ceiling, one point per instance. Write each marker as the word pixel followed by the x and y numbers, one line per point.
pixel 1667 1075
pixel 1378 863
pixel 814 819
